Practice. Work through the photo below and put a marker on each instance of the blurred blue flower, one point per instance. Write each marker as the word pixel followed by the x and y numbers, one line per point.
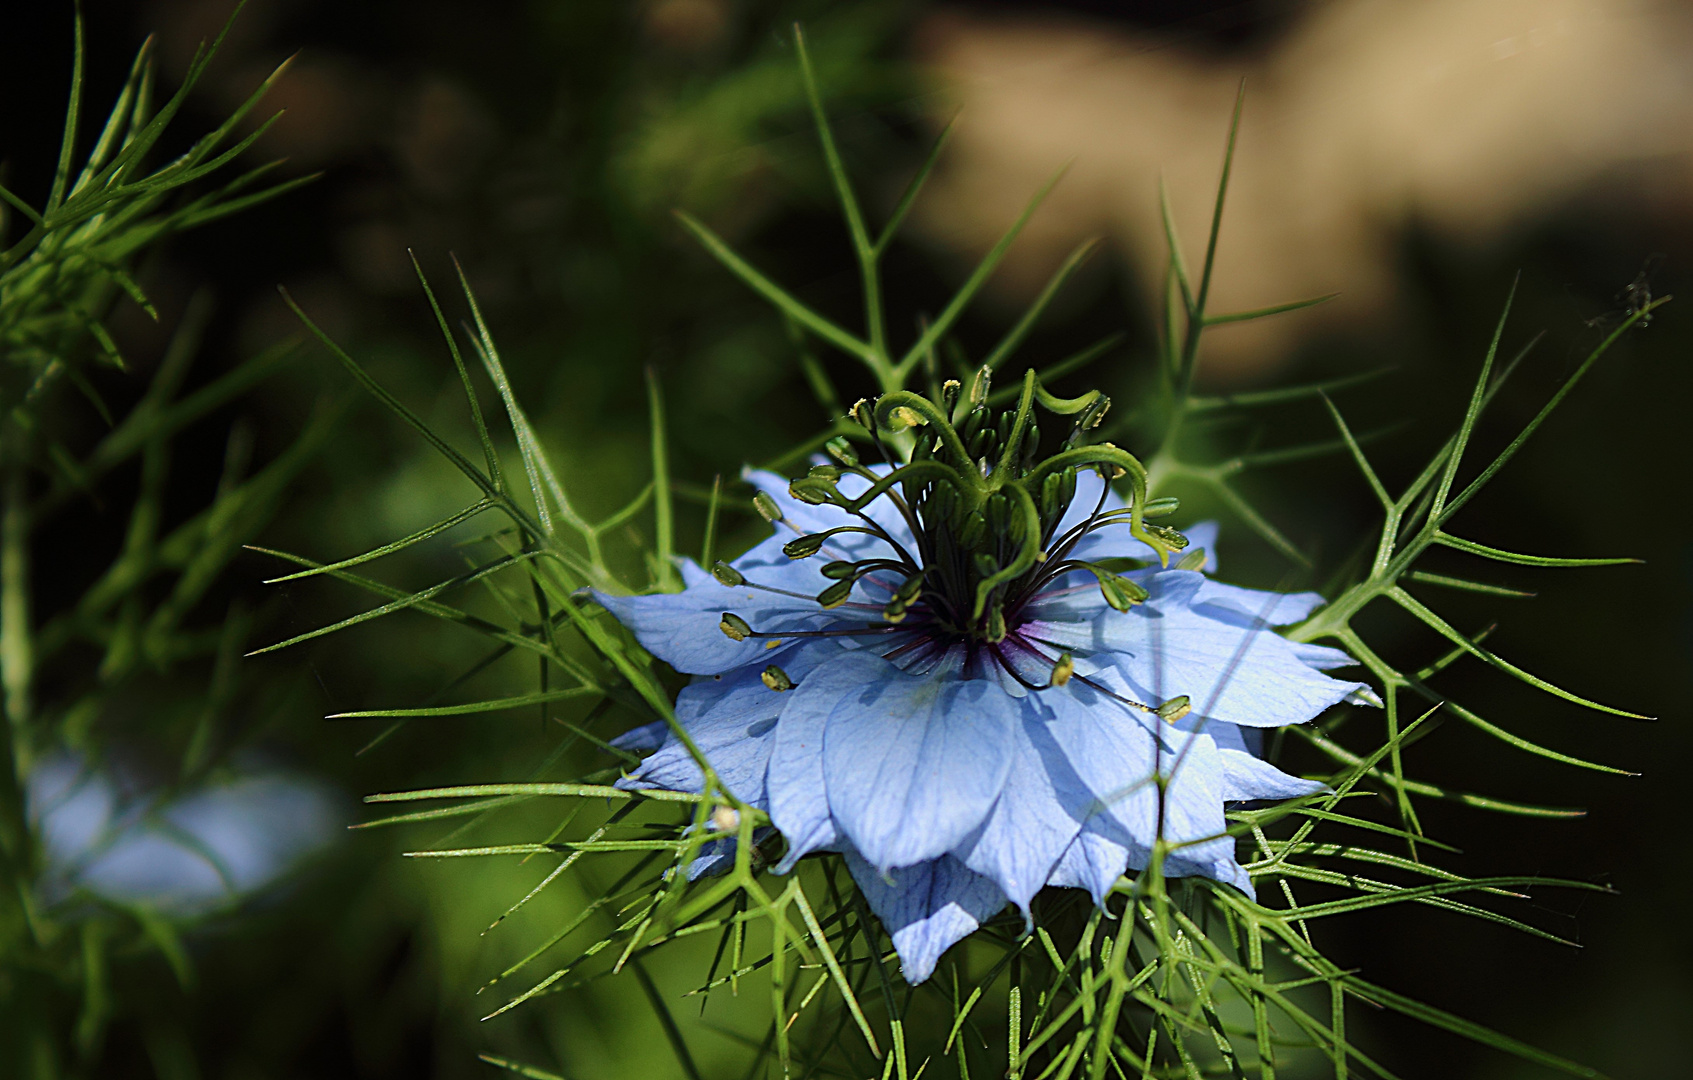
pixel 959 769
pixel 203 849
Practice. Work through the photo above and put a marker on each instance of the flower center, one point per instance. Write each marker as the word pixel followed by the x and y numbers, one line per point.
pixel 988 515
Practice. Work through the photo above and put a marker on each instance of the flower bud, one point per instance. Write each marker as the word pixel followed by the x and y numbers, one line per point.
pixel 726 574
pixel 734 627
pixel 766 507
pixel 1176 708
pixel 777 679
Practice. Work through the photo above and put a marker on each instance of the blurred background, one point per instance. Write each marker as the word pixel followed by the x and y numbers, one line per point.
pixel 1412 156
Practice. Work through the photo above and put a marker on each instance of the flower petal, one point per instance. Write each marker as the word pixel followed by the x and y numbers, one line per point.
pixel 1114 753
pixel 683 630
pixel 732 719
pixel 1248 777
pixel 913 764
pixel 1234 669
pixel 1038 814
pixel 925 908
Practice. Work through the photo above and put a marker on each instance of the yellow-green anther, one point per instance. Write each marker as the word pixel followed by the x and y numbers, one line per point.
pixel 804 547
pixel 726 574
pixel 1164 507
pixel 1170 536
pixel 734 627
pixel 1193 560
pixel 910 587
pixel 1120 592
pixel 839 569
pixel 777 679
pixel 866 417
pixel 840 448
pixel 811 492
pixel 1063 669
pixel 1176 708
pixel 836 594
pixel 979 387
pixel 904 417
pixel 894 611
pixel 766 507
pixel 950 390
pixel 824 472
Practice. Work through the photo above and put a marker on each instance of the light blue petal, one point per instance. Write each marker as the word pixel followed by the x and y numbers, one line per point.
pixel 1322 657
pixel 1255 605
pixel 1232 668
pixel 925 908
pixel 912 764
pixel 799 803
pixel 1114 752
pixel 1038 814
pixel 1093 861
pixel 214 845
pixel 644 739
pixel 1246 776
pixel 732 719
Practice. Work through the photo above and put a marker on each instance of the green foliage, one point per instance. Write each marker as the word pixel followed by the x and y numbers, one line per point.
pixel 1173 978
pixel 67 664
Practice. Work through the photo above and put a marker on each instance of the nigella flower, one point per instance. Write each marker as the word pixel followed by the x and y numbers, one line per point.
pixel 973 673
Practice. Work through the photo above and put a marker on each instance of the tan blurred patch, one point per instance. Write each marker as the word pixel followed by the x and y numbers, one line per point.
pixel 1474 117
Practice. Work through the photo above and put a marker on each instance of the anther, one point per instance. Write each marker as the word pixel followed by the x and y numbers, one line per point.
pixel 814 492
pixel 1176 708
pixel 1119 592
pixel 727 575
pixel 841 450
pixel 1193 560
pixel 766 507
pixel 804 547
pixel 735 627
pixel 1063 669
pixel 725 819
pixel 777 679
pixel 905 417
pixel 979 387
pixel 836 594
pixel 839 569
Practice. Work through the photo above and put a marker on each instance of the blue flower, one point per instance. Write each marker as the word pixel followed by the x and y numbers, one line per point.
pixel 969 705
